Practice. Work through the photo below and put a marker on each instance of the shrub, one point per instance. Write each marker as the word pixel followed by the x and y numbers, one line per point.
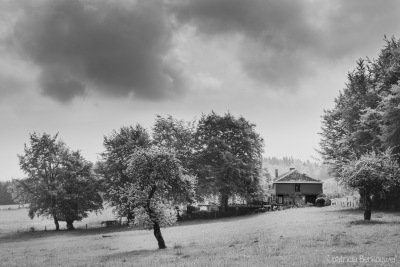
pixel 320 202
pixel 327 202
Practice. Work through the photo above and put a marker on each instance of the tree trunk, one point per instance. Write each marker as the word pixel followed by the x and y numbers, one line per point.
pixel 367 213
pixel 70 225
pixel 224 201
pixel 129 215
pixel 56 222
pixel 158 235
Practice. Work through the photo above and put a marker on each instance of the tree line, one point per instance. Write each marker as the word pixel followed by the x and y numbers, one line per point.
pixel 143 176
pixel 361 134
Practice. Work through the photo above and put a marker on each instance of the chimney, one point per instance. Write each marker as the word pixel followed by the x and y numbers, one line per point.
pixel 292 169
pixel 276 173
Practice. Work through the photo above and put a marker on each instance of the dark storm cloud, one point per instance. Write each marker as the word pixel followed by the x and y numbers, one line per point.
pixel 116 47
pixel 285 40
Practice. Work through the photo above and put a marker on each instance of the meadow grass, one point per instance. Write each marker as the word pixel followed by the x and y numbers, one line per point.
pixel 14 219
pixel 294 237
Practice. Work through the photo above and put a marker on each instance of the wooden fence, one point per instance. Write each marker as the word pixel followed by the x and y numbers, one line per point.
pixel 349 201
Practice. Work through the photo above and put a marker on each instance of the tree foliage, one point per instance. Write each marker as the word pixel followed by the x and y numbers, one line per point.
pixel 229 156
pixel 119 146
pixel 5 196
pixel 176 135
pixel 59 183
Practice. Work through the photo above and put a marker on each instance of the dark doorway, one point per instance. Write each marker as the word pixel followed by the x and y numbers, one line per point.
pixel 311 199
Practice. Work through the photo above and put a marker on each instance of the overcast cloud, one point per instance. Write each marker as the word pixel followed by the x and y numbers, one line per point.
pixel 82 68
pixel 119 48
pixel 284 41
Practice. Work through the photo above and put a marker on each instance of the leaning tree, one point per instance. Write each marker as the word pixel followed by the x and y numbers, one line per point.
pixel 157 184
pixel 59 183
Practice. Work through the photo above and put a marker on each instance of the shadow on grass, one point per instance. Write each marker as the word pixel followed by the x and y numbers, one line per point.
pixel 360 211
pixel 371 222
pixel 127 257
pixel 347 210
pixel 218 220
pixel 24 236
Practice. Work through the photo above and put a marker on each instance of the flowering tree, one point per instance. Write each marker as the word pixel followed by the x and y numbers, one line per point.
pixel 157 184
pixel 374 173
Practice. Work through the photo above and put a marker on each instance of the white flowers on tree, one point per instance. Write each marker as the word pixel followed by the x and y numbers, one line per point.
pixel 158 184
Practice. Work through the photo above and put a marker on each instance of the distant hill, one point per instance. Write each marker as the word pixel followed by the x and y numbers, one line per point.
pixel 312 169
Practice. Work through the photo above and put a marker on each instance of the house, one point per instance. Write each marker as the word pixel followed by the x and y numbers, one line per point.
pixel 293 188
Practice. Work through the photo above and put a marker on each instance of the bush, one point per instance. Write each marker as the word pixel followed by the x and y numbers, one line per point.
pixel 320 202
pixel 327 202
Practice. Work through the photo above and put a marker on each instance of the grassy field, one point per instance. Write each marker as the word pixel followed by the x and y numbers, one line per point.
pixel 294 237
pixel 14 219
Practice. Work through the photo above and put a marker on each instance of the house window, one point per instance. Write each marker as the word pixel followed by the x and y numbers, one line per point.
pixel 296 188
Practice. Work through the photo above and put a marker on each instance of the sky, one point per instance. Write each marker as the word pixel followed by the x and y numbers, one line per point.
pixel 83 68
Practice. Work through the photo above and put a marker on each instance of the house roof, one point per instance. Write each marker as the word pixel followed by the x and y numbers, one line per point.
pixel 294 176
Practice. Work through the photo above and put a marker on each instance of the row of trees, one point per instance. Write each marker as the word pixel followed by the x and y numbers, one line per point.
pixel 143 176
pixel 361 134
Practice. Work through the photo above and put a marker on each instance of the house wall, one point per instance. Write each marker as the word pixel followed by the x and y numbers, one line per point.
pixel 305 189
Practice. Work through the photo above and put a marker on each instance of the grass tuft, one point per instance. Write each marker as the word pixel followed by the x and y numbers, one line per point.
pixel 177 246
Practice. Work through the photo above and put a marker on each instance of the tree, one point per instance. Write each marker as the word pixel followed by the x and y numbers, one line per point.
pixel 374 173
pixel 157 184
pixel 119 146
pixel 343 134
pixel 59 182
pixel 366 116
pixel 229 156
